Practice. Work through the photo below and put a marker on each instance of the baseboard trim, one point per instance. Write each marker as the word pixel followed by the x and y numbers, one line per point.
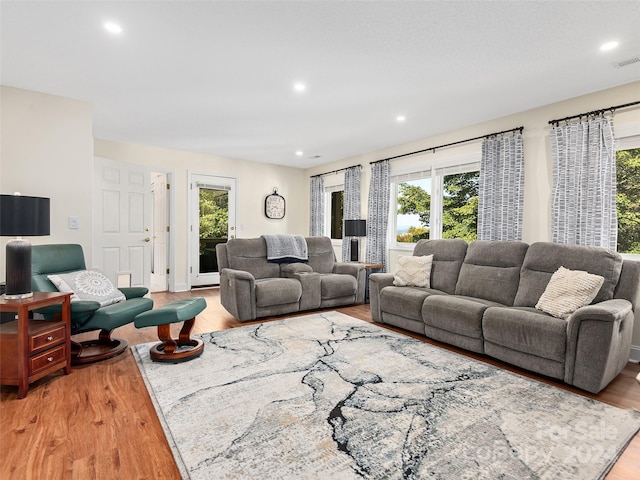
pixel 634 356
pixel 181 287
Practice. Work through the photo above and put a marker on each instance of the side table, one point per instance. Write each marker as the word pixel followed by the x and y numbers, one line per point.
pixel 370 268
pixel 32 349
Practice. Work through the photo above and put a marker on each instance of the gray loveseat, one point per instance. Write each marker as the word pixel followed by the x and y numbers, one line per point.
pixel 482 298
pixel 252 287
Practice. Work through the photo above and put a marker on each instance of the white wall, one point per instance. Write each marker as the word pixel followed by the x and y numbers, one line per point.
pixel 537 155
pixel 46 150
pixel 255 182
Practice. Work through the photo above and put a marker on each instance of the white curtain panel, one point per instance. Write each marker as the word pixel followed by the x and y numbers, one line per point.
pixel 316 223
pixel 584 188
pixel 351 209
pixel 501 189
pixel 378 214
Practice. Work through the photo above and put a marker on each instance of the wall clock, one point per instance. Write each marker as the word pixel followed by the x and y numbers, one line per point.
pixel 274 205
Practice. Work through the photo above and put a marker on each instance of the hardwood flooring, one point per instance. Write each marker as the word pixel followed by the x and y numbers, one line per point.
pixel 99 422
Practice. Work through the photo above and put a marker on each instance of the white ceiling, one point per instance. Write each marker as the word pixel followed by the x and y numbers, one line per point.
pixel 216 76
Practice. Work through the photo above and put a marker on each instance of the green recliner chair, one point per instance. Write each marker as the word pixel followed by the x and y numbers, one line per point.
pixel 86 316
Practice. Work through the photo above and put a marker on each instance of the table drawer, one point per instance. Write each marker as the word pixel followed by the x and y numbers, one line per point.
pixel 43 340
pixel 43 361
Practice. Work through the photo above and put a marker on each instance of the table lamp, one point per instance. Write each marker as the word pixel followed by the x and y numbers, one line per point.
pixel 355 229
pixel 21 216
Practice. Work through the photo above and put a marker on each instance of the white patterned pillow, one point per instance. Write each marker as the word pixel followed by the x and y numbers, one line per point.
pixel 88 285
pixel 413 271
pixel 567 291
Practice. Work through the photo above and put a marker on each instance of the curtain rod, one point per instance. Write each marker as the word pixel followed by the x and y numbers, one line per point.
pixel 433 149
pixel 335 171
pixel 594 112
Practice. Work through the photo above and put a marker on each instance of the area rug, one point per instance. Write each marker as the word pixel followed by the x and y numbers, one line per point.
pixel 329 396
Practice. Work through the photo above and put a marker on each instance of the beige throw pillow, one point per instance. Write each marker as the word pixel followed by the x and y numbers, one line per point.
pixel 413 271
pixel 567 291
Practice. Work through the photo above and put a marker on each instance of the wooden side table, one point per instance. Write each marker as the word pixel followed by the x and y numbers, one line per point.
pixel 370 268
pixel 32 349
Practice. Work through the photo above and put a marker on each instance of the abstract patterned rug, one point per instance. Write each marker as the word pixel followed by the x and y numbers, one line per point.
pixel 329 396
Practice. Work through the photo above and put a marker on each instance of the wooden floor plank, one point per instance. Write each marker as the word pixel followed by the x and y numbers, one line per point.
pixel 99 421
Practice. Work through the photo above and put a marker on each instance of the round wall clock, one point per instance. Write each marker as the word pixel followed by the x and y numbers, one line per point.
pixel 274 205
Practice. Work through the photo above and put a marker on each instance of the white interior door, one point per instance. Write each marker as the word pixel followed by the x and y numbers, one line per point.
pixel 213 221
pixel 160 238
pixel 122 222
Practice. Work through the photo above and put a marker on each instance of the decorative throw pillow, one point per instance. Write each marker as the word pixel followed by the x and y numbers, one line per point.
pixel 413 271
pixel 567 291
pixel 88 285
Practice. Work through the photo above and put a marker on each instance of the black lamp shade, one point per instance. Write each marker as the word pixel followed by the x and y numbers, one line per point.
pixel 355 228
pixel 22 216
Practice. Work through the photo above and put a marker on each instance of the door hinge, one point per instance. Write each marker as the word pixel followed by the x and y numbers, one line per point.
pixel 168 271
pixel 168 186
pixel 168 228
pixel 190 269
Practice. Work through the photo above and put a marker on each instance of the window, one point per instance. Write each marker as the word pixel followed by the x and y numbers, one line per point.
pixel 439 205
pixel 628 199
pixel 337 204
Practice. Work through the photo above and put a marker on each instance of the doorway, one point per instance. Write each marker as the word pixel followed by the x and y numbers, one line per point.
pixel 160 239
pixel 213 214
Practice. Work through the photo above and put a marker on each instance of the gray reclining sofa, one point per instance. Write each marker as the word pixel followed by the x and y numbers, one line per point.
pixel 252 287
pixel 483 297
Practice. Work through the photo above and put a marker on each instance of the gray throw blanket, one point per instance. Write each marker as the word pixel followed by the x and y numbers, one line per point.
pixel 286 248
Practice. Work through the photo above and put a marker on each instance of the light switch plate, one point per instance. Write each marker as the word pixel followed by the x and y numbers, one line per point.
pixel 74 223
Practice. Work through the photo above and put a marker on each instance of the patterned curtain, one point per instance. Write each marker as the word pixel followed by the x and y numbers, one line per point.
pixel 351 209
pixel 584 184
pixel 501 189
pixel 378 214
pixel 316 222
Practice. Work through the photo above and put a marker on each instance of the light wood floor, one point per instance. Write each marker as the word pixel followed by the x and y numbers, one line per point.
pixel 99 422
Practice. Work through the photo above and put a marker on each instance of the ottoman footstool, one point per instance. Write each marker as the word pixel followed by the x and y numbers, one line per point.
pixel 170 350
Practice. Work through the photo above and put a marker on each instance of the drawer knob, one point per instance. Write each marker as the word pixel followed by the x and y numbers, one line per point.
pixel 49 359
pixel 49 338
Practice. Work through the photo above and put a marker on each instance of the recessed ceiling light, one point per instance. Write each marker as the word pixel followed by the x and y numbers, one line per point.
pixel 299 153
pixel 113 28
pixel 299 87
pixel 608 46
pixel 400 118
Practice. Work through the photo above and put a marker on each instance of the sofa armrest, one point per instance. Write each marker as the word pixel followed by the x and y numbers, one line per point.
pixel 356 270
pixel 311 290
pixel 134 292
pixel 83 306
pixel 289 270
pixel 238 293
pixel 598 343
pixel 377 281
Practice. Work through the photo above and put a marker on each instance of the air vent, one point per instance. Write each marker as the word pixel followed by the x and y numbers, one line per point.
pixel 627 62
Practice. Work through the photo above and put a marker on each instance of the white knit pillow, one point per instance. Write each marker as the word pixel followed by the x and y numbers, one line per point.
pixel 88 285
pixel 413 271
pixel 567 291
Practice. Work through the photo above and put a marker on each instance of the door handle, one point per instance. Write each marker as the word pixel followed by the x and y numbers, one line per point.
pixel 147 239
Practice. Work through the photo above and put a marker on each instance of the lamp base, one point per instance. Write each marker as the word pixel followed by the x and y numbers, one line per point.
pixel 18 274
pixel 355 249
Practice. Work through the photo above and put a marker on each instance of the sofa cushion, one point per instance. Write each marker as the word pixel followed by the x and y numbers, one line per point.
pixel 567 291
pixel 413 271
pixel 526 330
pixel 543 259
pixel 453 313
pixel 337 285
pixel 405 301
pixel 250 255
pixel 321 254
pixel 448 255
pixel 491 270
pixel 277 291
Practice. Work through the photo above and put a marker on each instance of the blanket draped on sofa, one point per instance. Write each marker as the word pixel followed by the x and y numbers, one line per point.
pixel 286 248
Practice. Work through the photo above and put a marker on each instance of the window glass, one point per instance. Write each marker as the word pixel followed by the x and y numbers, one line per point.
pixel 337 204
pixel 460 205
pixel 628 200
pixel 413 218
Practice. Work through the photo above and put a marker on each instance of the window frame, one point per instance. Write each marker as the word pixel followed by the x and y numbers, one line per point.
pixel 626 139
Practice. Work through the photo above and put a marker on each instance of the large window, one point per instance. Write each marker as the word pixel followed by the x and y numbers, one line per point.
pixel 628 200
pixel 442 204
pixel 337 209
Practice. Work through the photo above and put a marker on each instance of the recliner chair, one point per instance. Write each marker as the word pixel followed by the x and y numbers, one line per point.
pixel 86 316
